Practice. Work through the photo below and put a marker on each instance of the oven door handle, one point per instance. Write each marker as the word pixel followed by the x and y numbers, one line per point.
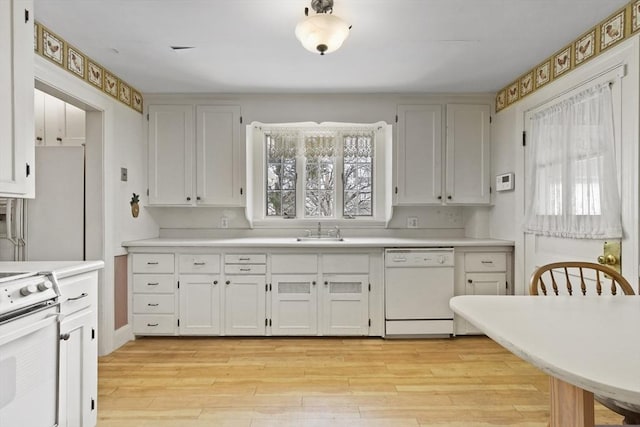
pixel 30 328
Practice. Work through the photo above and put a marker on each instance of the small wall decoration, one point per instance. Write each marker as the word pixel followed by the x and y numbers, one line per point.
pixel 95 74
pixel 612 30
pixel 111 84
pixel 501 100
pixel 75 62
pixel 124 93
pixel 585 47
pixel 52 47
pixel 562 62
pixel 135 205
pixel 543 74
pixel 526 84
pixel 635 16
pixel 136 101
pixel 512 93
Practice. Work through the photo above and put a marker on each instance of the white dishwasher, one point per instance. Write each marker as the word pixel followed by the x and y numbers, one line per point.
pixel 418 287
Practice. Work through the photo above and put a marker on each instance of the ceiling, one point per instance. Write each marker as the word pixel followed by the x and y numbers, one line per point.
pixel 249 46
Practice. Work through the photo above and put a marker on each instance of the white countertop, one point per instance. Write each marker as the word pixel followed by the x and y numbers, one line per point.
pixel 281 242
pixel 61 268
pixel 590 342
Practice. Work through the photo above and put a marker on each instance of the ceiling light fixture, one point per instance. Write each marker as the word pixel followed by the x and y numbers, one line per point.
pixel 323 32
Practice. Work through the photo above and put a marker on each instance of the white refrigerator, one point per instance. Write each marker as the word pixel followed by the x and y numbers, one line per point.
pixel 55 221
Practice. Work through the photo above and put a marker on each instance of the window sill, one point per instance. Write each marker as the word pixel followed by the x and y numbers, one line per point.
pixel 312 224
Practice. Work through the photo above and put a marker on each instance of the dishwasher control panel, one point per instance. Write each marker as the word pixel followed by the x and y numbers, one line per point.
pixel 418 257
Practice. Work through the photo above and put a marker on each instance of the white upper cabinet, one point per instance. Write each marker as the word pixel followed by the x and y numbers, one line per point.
pixel 16 102
pixel 419 155
pixel 218 155
pixel 468 154
pixel 57 122
pixel 194 160
pixel 171 154
pixel 432 168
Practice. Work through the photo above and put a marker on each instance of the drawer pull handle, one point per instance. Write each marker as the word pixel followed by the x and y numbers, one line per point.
pixel 152 305
pixel 152 324
pixel 244 259
pixel 65 337
pixel 487 262
pixel 245 269
pixel 215 282
pixel 152 262
pixel 153 283
pixel 199 263
pixel 228 282
pixel 82 295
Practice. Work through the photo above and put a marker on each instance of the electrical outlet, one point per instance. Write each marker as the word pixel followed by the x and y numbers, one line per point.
pixel 224 222
pixel 412 222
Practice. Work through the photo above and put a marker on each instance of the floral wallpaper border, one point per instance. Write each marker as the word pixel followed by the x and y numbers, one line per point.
pixel 617 27
pixel 49 45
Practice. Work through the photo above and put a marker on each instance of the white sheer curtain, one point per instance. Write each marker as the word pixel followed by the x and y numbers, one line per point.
pixel 572 180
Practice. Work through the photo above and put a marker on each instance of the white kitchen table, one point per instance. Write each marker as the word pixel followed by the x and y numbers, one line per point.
pixel 586 344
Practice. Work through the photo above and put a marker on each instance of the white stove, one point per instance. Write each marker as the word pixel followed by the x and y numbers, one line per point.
pixel 29 341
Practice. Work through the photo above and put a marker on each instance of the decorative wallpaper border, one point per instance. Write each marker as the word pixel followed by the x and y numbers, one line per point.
pixel 57 50
pixel 617 27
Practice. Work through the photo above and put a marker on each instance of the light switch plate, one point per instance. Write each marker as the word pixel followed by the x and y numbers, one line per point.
pixel 123 174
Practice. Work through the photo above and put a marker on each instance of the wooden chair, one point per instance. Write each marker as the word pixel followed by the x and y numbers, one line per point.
pixel 575 276
pixel 572 277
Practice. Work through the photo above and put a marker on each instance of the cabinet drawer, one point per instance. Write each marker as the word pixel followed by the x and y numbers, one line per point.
pixel 345 263
pixel 485 261
pixel 153 283
pixel 154 324
pixel 150 304
pixel 76 293
pixel 153 263
pixel 245 269
pixel 209 263
pixel 245 259
pixel 294 263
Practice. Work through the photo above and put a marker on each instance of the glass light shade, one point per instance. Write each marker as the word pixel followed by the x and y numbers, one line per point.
pixel 322 33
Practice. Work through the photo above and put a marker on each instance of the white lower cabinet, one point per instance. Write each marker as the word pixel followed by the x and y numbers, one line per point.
pixel 199 296
pixel 155 305
pixel 345 302
pixel 245 305
pixel 294 304
pixel 78 368
pixel 484 273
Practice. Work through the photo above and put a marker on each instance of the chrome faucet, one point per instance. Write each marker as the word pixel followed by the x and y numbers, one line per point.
pixel 338 235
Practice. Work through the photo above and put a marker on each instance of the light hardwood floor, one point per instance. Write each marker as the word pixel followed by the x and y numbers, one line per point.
pixel 259 382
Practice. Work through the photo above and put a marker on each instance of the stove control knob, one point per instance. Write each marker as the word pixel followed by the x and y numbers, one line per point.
pixel 45 286
pixel 28 290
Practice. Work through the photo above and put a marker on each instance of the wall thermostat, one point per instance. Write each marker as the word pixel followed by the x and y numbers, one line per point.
pixel 504 182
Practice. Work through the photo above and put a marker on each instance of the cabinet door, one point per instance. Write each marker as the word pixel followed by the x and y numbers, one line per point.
pixel 38 116
pixel 486 283
pixel 245 305
pixel 345 304
pixel 54 120
pixel 199 304
pixel 218 155
pixel 171 155
pixel 294 304
pixel 78 386
pixel 468 152
pixel 16 103
pixel 419 155
pixel 482 284
pixel 74 125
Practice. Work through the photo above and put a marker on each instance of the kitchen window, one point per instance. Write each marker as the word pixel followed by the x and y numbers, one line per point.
pixel 573 189
pixel 319 172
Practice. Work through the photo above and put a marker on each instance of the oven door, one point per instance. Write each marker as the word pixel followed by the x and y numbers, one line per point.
pixel 29 369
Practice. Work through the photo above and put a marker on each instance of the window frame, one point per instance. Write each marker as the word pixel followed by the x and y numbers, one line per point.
pixel 381 180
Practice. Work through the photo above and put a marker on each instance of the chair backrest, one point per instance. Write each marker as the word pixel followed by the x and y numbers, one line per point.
pixel 577 276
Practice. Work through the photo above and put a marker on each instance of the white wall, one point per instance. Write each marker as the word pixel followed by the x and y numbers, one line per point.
pixel 115 138
pixel 508 154
pixel 362 108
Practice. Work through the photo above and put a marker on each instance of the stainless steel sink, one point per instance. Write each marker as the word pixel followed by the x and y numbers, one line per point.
pixel 320 239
